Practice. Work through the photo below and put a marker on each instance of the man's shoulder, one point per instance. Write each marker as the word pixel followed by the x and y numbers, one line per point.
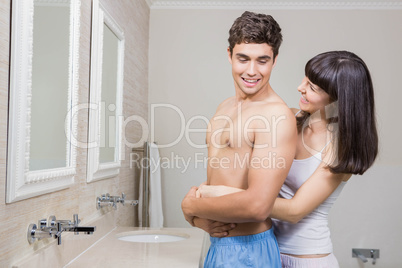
pixel 274 108
pixel 295 110
pixel 273 113
pixel 225 103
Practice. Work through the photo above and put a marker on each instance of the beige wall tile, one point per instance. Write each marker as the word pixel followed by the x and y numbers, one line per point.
pixel 133 17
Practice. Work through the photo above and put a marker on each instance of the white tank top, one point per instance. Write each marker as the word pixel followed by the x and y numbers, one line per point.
pixel 310 235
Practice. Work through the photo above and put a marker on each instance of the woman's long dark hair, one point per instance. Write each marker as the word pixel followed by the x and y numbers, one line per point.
pixel 346 79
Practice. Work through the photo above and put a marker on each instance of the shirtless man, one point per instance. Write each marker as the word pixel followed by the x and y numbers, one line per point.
pixel 251 145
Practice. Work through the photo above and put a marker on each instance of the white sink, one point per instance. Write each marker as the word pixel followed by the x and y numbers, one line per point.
pixel 152 236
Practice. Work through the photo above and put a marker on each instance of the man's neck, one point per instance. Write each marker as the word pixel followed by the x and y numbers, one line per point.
pixel 261 95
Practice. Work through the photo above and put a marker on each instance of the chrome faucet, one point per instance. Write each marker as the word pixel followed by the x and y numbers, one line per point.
pixel 364 253
pixel 103 201
pixel 359 255
pixel 106 200
pixel 60 226
pixel 54 228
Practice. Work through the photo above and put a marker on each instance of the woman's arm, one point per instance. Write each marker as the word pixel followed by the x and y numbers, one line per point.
pixel 214 228
pixel 309 196
pixel 206 191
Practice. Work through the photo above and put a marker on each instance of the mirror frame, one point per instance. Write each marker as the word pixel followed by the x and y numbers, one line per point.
pixel 22 183
pixel 96 170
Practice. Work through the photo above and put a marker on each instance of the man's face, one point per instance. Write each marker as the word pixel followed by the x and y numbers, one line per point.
pixel 251 67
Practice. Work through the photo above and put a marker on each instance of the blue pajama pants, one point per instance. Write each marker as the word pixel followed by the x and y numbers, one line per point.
pixel 256 251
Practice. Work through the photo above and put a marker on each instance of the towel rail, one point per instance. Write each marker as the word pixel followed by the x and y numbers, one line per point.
pixel 145 183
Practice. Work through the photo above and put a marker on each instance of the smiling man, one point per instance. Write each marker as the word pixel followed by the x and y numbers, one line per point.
pixel 251 145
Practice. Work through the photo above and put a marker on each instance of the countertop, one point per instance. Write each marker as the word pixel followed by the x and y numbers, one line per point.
pixel 112 252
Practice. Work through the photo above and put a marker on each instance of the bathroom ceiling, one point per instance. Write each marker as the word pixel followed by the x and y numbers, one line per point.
pixel 374 4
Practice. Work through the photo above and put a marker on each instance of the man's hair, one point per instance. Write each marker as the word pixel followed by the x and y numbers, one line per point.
pixel 256 29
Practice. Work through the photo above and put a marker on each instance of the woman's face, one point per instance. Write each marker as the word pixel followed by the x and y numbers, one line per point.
pixel 313 98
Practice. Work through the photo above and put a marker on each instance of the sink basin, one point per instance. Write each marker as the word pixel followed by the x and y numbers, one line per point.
pixel 152 236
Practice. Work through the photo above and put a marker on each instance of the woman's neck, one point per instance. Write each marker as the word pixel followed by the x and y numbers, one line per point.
pixel 317 122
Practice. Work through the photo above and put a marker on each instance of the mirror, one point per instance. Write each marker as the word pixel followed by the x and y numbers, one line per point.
pixel 107 55
pixel 43 90
pixel 49 86
pixel 109 90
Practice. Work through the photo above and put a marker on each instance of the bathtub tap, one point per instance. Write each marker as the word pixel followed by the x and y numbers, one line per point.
pixel 54 228
pixel 60 226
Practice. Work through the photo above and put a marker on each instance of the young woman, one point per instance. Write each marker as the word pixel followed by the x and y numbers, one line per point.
pixel 337 137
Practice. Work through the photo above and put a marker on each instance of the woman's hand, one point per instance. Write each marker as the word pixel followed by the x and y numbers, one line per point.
pixel 214 228
pixel 186 205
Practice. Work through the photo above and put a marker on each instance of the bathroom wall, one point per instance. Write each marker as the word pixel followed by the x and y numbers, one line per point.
pixel 133 17
pixel 190 75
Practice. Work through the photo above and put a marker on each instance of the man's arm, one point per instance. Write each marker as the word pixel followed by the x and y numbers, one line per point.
pixel 265 177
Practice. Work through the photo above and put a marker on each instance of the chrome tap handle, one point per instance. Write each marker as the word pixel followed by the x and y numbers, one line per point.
pixel 76 220
pixel 52 221
pixel 373 256
pixel 116 199
pixel 53 226
pixel 123 198
pixel 98 203
pixel 106 197
pixel 42 224
pixel 131 202
pixel 58 234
